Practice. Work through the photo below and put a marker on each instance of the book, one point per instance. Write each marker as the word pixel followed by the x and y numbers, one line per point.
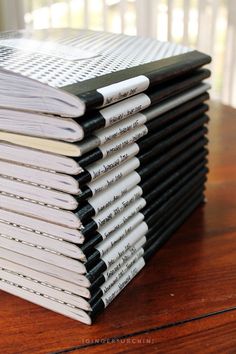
pixel 75 220
pixel 173 190
pixel 103 155
pixel 72 250
pixel 111 257
pixel 94 263
pixel 102 136
pixel 114 115
pixel 133 252
pixel 106 231
pixel 102 247
pixel 67 129
pixel 114 291
pixel 44 283
pixel 62 181
pixel 75 77
pixel 172 159
pixel 13 283
pixel 65 201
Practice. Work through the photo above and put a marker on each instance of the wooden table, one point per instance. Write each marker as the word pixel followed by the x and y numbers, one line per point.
pixel 185 299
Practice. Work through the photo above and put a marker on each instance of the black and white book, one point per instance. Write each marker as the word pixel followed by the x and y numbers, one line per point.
pixel 62 164
pixel 164 164
pixel 66 129
pixel 75 219
pixel 167 123
pixel 171 192
pixel 101 301
pixel 125 110
pixel 14 280
pixel 110 257
pixel 103 155
pixel 78 70
pixel 71 249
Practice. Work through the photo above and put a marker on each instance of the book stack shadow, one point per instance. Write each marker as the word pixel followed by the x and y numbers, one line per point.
pixel 103 156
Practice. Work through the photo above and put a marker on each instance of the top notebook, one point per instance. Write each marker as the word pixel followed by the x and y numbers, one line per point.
pixel 67 71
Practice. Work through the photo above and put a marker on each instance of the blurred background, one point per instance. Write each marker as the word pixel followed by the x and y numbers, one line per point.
pixel 207 25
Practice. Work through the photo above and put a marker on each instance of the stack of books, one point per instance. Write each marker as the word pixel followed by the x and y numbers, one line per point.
pixel 102 157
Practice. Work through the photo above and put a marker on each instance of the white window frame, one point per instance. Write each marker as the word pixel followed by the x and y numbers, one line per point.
pixel 11 14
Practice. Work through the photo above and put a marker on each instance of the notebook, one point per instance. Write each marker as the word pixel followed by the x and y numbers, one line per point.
pixel 81 69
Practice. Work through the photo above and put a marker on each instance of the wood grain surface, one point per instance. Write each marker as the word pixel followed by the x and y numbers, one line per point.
pixel 183 301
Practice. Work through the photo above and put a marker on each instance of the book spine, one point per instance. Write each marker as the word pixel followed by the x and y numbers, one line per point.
pixel 173 107
pixel 129 253
pixel 122 127
pixel 102 216
pixel 113 146
pixel 121 218
pixel 107 214
pixel 119 249
pixel 100 273
pixel 115 237
pixel 143 143
pixel 107 198
pixel 122 203
pixel 121 110
pixel 111 115
pixel 132 150
pixel 139 133
pixel 99 202
pixel 160 206
pixel 98 169
pixel 101 303
pixel 123 89
pixel 171 189
pixel 161 218
pixel 113 176
pixel 114 279
pixel 178 86
pixel 116 86
pixel 125 109
pixel 188 128
pixel 121 142
pixel 196 131
pixel 107 298
pixel 130 239
pixel 152 203
pixel 97 245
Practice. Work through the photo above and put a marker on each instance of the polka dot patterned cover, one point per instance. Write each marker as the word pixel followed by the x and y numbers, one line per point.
pixel 109 53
